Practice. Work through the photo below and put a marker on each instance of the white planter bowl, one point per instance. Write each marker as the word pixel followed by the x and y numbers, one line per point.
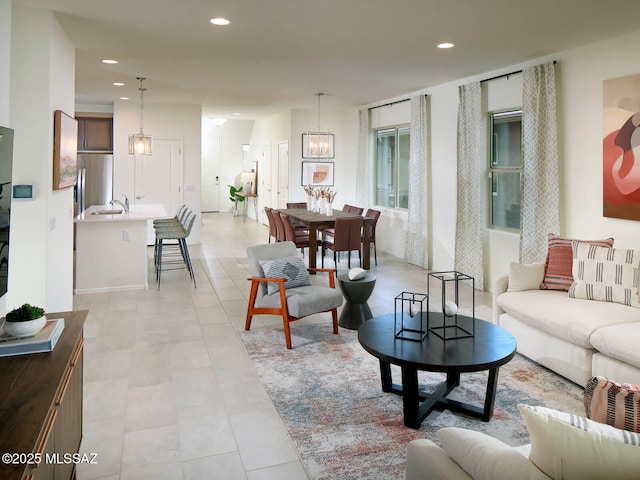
pixel 22 329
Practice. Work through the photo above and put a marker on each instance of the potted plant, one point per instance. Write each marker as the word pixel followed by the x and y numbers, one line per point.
pixel 235 198
pixel 25 320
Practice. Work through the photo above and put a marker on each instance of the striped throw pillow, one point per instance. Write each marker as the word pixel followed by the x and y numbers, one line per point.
pixel 605 274
pixel 558 266
pixel 616 404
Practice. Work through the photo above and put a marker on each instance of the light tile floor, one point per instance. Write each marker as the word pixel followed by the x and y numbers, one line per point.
pixel 169 390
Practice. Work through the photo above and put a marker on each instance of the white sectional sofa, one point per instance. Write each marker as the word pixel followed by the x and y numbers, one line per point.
pixel 574 337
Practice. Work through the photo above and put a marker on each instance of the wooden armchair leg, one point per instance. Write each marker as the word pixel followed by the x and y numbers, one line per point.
pixel 252 302
pixel 334 318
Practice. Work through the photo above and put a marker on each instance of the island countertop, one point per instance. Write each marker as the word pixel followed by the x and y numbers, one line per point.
pixel 135 213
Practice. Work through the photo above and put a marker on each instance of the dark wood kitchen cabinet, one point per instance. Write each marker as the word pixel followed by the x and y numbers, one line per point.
pixel 41 407
pixel 95 134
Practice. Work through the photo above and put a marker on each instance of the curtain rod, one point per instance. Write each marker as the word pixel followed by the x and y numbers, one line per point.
pixel 389 104
pixel 506 74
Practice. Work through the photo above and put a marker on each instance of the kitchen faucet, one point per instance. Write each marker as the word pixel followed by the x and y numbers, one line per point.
pixel 124 205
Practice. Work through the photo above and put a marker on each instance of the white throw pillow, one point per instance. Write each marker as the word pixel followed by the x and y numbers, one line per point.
pixel 605 274
pixel 566 446
pixel 525 276
pixel 485 457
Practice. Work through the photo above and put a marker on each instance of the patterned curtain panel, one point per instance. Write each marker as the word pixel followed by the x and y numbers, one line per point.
pixel 362 166
pixel 540 213
pixel 469 218
pixel 417 245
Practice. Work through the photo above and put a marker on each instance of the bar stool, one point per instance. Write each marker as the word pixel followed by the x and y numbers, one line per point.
pixel 179 234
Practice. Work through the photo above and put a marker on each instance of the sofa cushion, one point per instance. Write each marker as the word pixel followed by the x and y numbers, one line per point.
pixel 613 403
pixel 605 274
pixel 559 262
pixel 619 341
pixel 292 268
pixel 485 457
pixel 571 319
pixel 568 447
pixel 525 276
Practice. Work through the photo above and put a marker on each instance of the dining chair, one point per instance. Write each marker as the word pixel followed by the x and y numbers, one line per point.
pixel 280 235
pixel 281 285
pixel 297 205
pixel 299 237
pixel 374 215
pixel 329 232
pixel 272 224
pixel 346 238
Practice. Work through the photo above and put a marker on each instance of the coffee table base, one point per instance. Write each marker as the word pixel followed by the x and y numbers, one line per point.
pixel 417 405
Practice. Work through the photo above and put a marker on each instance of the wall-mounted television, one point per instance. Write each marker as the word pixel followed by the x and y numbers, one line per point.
pixel 6 168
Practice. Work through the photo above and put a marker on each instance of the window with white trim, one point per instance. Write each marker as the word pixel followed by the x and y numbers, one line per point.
pixel 505 169
pixel 392 167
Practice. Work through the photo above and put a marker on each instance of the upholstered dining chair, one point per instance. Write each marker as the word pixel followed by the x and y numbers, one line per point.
pixel 280 235
pixel 297 205
pixel 329 232
pixel 374 215
pixel 272 224
pixel 281 285
pixel 291 234
pixel 347 237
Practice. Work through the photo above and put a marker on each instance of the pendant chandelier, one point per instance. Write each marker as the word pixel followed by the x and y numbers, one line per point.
pixel 141 144
pixel 318 144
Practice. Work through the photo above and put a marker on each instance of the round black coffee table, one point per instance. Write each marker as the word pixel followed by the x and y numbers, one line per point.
pixel 356 310
pixel 488 349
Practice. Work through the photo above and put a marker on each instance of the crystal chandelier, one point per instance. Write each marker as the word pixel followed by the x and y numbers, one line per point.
pixel 318 144
pixel 141 144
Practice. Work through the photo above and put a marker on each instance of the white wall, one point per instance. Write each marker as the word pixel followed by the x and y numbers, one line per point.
pixel 42 80
pixel 5 59
pixel 162 121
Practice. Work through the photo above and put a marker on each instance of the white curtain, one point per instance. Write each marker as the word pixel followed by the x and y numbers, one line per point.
pixel 362 162
pixel 540 212
pixel 417 247
pixel 469 218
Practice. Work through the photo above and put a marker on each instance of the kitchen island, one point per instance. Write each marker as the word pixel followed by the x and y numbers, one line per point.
pixel 111 247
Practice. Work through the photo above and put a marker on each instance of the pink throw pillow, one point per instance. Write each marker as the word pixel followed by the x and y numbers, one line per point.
pixel 557 268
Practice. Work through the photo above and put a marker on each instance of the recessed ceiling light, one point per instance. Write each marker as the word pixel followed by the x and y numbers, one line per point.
pixel 118 84
pixel 445 45
pixel 220 21
pixel 109 61
pixel 124 98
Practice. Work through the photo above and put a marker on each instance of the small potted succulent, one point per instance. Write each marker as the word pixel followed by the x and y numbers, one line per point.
pixel 25 320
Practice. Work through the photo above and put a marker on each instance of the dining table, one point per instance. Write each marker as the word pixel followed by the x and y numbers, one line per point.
pixel 317 222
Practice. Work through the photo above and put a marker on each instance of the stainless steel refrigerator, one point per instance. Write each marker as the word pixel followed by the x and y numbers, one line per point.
pixel 95 180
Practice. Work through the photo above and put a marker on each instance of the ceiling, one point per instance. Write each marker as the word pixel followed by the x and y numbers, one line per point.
pixel 276 54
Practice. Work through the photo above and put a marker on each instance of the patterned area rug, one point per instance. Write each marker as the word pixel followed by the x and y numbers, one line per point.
pixel 327 390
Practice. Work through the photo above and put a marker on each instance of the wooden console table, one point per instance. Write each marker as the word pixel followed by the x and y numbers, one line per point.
pixel 41 407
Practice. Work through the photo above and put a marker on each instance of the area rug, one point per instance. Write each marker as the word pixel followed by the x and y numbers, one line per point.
pixel 327 391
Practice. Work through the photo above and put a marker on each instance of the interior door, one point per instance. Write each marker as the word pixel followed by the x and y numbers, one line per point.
pixel 210 190
pixel 267 177
pixel 158 178
pixel 283 174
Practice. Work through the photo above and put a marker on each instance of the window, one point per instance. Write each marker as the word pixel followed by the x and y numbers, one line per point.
pixel 505 170
pixel 392 167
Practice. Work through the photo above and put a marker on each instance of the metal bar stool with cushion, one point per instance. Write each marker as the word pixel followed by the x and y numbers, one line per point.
pixel 281 285
pixel 179 234
pixel 347 237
